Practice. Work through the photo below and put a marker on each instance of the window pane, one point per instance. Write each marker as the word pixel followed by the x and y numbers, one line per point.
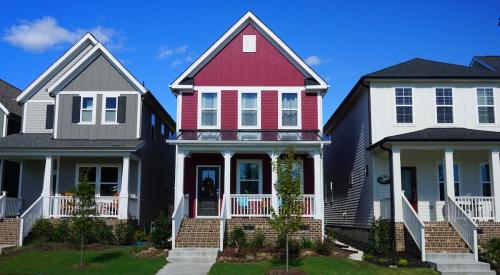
pixel 289 118
pixel 87 102
pixel 249 118
pixel 109 190
pixel 110 102
pixel 249 171
pixel 249 100
pixel 445 114
pixel 88 172
pixel 486 114
pixel 109 174
pixel 249 187
pixel 485 172
pixel 404 114
pixel 209 100
pixel 86 115
pixel 208 118
pixel 110 116
pixel 289 101
pixel 486 189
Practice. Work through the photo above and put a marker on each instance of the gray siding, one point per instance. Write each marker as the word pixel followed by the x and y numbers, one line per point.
pixel 346 157
pixel 32 177
pixel 36 113
pixel 68 130
pixel 99 75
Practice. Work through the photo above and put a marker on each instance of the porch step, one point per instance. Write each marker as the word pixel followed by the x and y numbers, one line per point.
pixel 457 264
pixel 441 237
pixel 9 231
pixel 193 255
pixel 198 233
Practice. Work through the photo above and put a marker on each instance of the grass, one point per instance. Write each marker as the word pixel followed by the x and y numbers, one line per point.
pixel 108 261
pixel 316 265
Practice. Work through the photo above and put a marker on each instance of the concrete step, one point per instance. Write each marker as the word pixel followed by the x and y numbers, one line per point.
pixel 470 272
pixel 457 264
pixel 449 256
pixel 462 265
pixel 193 255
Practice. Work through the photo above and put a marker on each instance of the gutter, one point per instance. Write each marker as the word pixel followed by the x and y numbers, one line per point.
pixel 391 185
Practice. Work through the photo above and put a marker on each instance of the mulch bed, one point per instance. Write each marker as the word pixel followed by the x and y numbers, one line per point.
pixel 392 259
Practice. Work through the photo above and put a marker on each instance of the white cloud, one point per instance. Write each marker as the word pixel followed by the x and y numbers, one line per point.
pixel 43 34
pixel 164 52
pixel 314 60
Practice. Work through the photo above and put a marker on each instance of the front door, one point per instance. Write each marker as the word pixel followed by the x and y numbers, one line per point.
pixel 208 191
pixel 11 173
pixel 409 185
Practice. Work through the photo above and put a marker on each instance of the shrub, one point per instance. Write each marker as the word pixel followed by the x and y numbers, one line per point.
pixel 259 240
pixel 99 232
pixel 294 246
pixel 62 231
pixel 383 260
pixel 491 252
pixel 326 247
pixel 238 238
pixel 42 231
pixel 140 236
pixel 124 233
pixel 402 262
pixel 378 238
pixel 161 232
pixel 367 257
pixel 307 243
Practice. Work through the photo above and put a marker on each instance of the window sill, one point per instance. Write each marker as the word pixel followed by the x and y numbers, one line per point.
pixel 86 123
pixel 110 123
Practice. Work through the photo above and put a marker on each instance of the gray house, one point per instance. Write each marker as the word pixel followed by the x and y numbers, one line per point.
pixel 87 116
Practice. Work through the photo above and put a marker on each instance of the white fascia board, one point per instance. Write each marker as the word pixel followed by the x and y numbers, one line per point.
pixel 99 48
pixel 29 89
pixel 249 16
pixel 4 109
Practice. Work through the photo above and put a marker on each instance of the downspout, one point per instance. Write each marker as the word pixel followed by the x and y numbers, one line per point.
pixel 391 183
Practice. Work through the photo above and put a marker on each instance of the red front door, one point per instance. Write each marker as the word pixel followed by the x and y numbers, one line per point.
pixel 409 185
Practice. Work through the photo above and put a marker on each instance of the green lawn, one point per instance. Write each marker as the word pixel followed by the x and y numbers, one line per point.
pixel 108 261
pixel 317 265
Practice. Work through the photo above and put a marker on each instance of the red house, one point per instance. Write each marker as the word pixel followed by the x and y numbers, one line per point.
pixel 240 104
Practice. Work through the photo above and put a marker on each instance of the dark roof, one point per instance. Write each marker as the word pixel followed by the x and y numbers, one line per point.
pixel 444 135
pixel 491 61
pixel 45 141
pixel 8 94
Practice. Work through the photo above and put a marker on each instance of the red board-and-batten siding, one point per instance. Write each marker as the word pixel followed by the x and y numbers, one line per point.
pixel 266 67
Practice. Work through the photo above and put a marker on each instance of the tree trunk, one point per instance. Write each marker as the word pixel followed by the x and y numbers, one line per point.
pixel 287 253
pixel 81 252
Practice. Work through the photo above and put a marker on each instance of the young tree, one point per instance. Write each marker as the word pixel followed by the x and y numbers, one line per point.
pixel 287 219
pixel 84 212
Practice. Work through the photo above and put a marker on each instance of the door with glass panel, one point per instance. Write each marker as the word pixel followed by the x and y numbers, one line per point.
pixel 409 185
pixel 208 186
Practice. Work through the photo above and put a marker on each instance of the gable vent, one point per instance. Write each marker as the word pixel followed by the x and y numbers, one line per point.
pixel 249 43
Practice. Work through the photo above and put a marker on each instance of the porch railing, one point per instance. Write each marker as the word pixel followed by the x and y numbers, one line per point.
pixel 180 211
pixel 463 224
pixel 250 205
pixel 222 222
pixel 478 208
pixel 414 225
pixel 9 207
pixel 29 217
pixel 308 206
pixel 64 206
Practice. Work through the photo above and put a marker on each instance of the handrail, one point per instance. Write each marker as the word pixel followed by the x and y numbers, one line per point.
pixel 415 225
pixel 177 216
pixel 463 224
pixel 478 208
pixel 29 217
pixel 64 206
pixel 3 204
pixel 222 225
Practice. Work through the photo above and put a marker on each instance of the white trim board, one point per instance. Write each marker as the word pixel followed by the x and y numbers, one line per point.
pixel 219 109
pixel 238 179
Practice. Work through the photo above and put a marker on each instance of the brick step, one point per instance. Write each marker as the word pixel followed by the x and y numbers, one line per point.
pixel 442 237
pixel 198 233
pixel 9 231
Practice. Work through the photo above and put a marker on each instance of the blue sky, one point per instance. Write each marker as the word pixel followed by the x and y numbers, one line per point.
pixel 157 40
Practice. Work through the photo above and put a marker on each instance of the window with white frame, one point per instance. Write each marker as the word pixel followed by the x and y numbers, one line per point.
pixel 249 110
pixel 485 105
pixel 249 177
pixel 404 105
pixel 298 171
pixel 208 109
pixel 110 109
pixel 87 110
pixel 103 178
pixel 441 176
pixel 485 179
pixel 444 105
pixel 290 109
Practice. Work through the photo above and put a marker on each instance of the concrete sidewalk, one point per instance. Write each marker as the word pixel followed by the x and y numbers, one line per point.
pixel 185 268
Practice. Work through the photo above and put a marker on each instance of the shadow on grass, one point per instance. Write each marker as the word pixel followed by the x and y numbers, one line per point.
pixel 106 257
pixel 295 262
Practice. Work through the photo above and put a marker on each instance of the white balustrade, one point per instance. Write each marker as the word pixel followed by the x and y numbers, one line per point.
pixel 180 211
pixel 222 225
pixel 64 206
pixel 414 225
pixel 478 208
pixel 29 218
pixel 251 205
pixel 3 207
pixel 463 224
pixel 308 206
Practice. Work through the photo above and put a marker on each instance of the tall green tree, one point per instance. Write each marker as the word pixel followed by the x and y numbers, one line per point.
pixel 287 219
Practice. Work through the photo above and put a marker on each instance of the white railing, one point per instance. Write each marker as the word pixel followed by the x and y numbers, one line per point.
pixel 64 206
pixel 180 211
pixel 463 224
pixel 222 225
pixel 29 217
pixel 414 225
pixel 13 206
pixel 308 206
pixel 478 208
pixel 251 205
pixel 3 205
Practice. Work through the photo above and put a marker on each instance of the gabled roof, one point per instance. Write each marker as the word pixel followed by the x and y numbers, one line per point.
pixel 56 67
pixel 8 94
pixel 184 81
pixel 490 62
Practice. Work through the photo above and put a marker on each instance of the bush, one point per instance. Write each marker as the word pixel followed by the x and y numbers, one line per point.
pixel 294 246
pixel 99 232
pixel 140 236
pixel 238 238
pixel 259 240
pixel 491 252
pixel 326 247
pixel 378 238
pixel 161 232
pixel 402 262
pixel 307 243
pixel 124 233
pixel 42 231
pixel 62 231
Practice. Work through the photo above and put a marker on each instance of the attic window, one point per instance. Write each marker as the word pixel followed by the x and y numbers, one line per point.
pixel 249 43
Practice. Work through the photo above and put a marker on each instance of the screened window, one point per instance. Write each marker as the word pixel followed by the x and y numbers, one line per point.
pixel 289 109
pixel 209 109
pixel 404 105
pixel 485 180
pixel 104 179
pixel 110 109
pixel 249 177
pixel 249 110
pixel 486 105
pixel 87 110
pixel 88 174
pixel 444 105
pixel 456 176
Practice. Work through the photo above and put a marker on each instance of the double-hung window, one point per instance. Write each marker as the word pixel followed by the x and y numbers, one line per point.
pixel 404 105
pixel 249 177
pixel 110 110
pixel 485 179
pixel 209 111
pixel 485 105
pixel 290 110
pixel 87 110
pixel 456 178
pixel 249 110
pixel 444 105
pixel 103 178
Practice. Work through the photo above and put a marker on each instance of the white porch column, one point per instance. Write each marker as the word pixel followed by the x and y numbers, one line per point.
pixel 123 204
pixel 396 185
pixel 495 180
pixel 179 177
pixel 46 189
pixel 449 180
pixel 227 180
pixel 318 185
pixel 274 178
